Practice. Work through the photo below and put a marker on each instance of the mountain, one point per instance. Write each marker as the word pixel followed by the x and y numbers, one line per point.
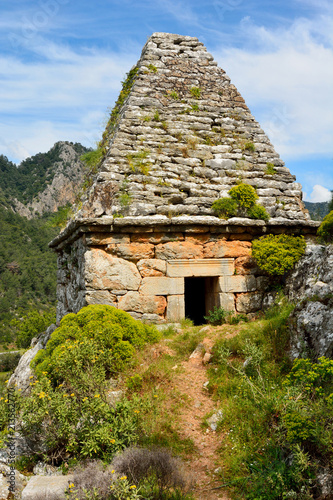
pixel 43 182
pixel 317 211
pixel 32 199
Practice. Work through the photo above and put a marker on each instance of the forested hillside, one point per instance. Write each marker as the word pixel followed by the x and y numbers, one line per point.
pixel 27 268
pixel 317 211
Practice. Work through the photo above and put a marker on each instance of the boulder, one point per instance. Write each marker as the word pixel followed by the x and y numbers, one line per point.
pixel 47 487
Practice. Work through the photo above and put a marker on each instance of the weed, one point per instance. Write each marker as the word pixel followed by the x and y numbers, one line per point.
pixel 174 95
pixel 249 146
pixel 270 169
pixel 152 68
pixel 216 316
pixel 195 92
pixel 156 116
pixel 164 126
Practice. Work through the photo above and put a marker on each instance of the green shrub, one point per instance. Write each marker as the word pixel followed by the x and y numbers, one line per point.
pixel 244 194
pixel 195 92
pixel 270 169
pixel 249 146
pixel 277 254
pixel 32 324
pixel 216 316
pixel 97 332
pixel 258 212
pixel 9 361
pixel 225 207
pixel 325 230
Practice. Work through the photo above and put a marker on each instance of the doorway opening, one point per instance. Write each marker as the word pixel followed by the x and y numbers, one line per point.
pixel 200 297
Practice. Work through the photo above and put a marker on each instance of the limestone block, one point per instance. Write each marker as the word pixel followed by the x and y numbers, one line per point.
pixel 179 250
pixel 162 286
pixel 106 239
pixel 48 487
pixel 152 267
pixel 134 301
pixel 245 265
pixel 105 272
pixel 176 308
pixel 249 302
pixel 200 267
pixel 222 248
pixel 226 301
pixel 237 283
pixel 101 297
pixel 132 251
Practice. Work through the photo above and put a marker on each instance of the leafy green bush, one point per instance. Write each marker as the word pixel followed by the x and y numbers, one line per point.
pixel 242 202
pixel 216 316
pixel 258 212
pixel 225 207
pixel 9 361
pixel 277 254
pixel 101 333
pixel 32 324
pixel 244 194
pixel 68 408
pixel 325 230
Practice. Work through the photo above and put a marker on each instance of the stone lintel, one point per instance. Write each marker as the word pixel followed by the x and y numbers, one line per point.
pixel 236 283
pixel 162 285
pixel 200 267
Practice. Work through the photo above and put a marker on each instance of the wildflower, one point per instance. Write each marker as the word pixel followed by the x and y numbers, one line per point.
pixel 31 376
pixel 113 471
pixel 19 389
pixel 42 395
pixel 155 396
pixel 84 399
pixel 96 396
pixel 6 381
pixel 6 400
pixel 1 399
pixel 71 485
pixel 72 394
pixel 132 487
pixel 123 477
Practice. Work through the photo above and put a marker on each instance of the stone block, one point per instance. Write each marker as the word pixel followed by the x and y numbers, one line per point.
pixel 101 297
pixel 200 267
pixel 226 301
pixel 132 251
pixel 249 302
pixel 48 487
pixel 152 267
pixel 179 250
pixel 106 239
pixel 246 265
pixel 162 286
pixel 222 248
pixel 263 283
pixel 237 283
pixel 105 272
pixel 175 308
pixel 134 301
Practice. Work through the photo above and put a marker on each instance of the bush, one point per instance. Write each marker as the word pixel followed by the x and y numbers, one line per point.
pixel 225 207
pixel 258 212
pixel 9 361
pixel 244 194
pixel 242 202
pixel 325 230
pixel 100 333
pixel 31 325
pixel 277 254
pixel 156 470
pixel 216 316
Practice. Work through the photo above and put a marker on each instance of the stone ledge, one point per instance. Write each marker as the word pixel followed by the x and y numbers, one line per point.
pixel 200 267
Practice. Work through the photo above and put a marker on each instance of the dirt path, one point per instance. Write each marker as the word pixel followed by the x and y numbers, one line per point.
pixel 191 382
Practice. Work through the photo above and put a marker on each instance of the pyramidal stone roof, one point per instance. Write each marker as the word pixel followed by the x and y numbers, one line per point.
pixel 182 138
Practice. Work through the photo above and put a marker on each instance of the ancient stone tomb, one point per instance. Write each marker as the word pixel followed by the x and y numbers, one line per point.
pixel 145 239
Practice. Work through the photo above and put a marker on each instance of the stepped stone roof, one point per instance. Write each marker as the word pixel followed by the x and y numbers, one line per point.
pixel 182 138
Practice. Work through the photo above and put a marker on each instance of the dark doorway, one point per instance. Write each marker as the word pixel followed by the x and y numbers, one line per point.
pixel 195 307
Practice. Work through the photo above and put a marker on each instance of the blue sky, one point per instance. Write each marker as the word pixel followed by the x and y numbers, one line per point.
pixel 62 62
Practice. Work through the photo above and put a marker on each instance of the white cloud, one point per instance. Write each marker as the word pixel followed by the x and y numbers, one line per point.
pixel 319 194
pixel 286 75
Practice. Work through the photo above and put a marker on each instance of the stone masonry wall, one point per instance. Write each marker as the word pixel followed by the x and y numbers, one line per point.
pixel 143 273
pixel 184 137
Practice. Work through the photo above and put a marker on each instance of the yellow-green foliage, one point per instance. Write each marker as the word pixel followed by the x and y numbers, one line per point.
pixel 225 207
pixel 244 194
pixel 99 332
pixel 258 212
pixel 325 230
pixel 277 254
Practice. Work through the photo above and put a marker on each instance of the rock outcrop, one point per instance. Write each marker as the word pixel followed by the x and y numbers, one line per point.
pixel 311 286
